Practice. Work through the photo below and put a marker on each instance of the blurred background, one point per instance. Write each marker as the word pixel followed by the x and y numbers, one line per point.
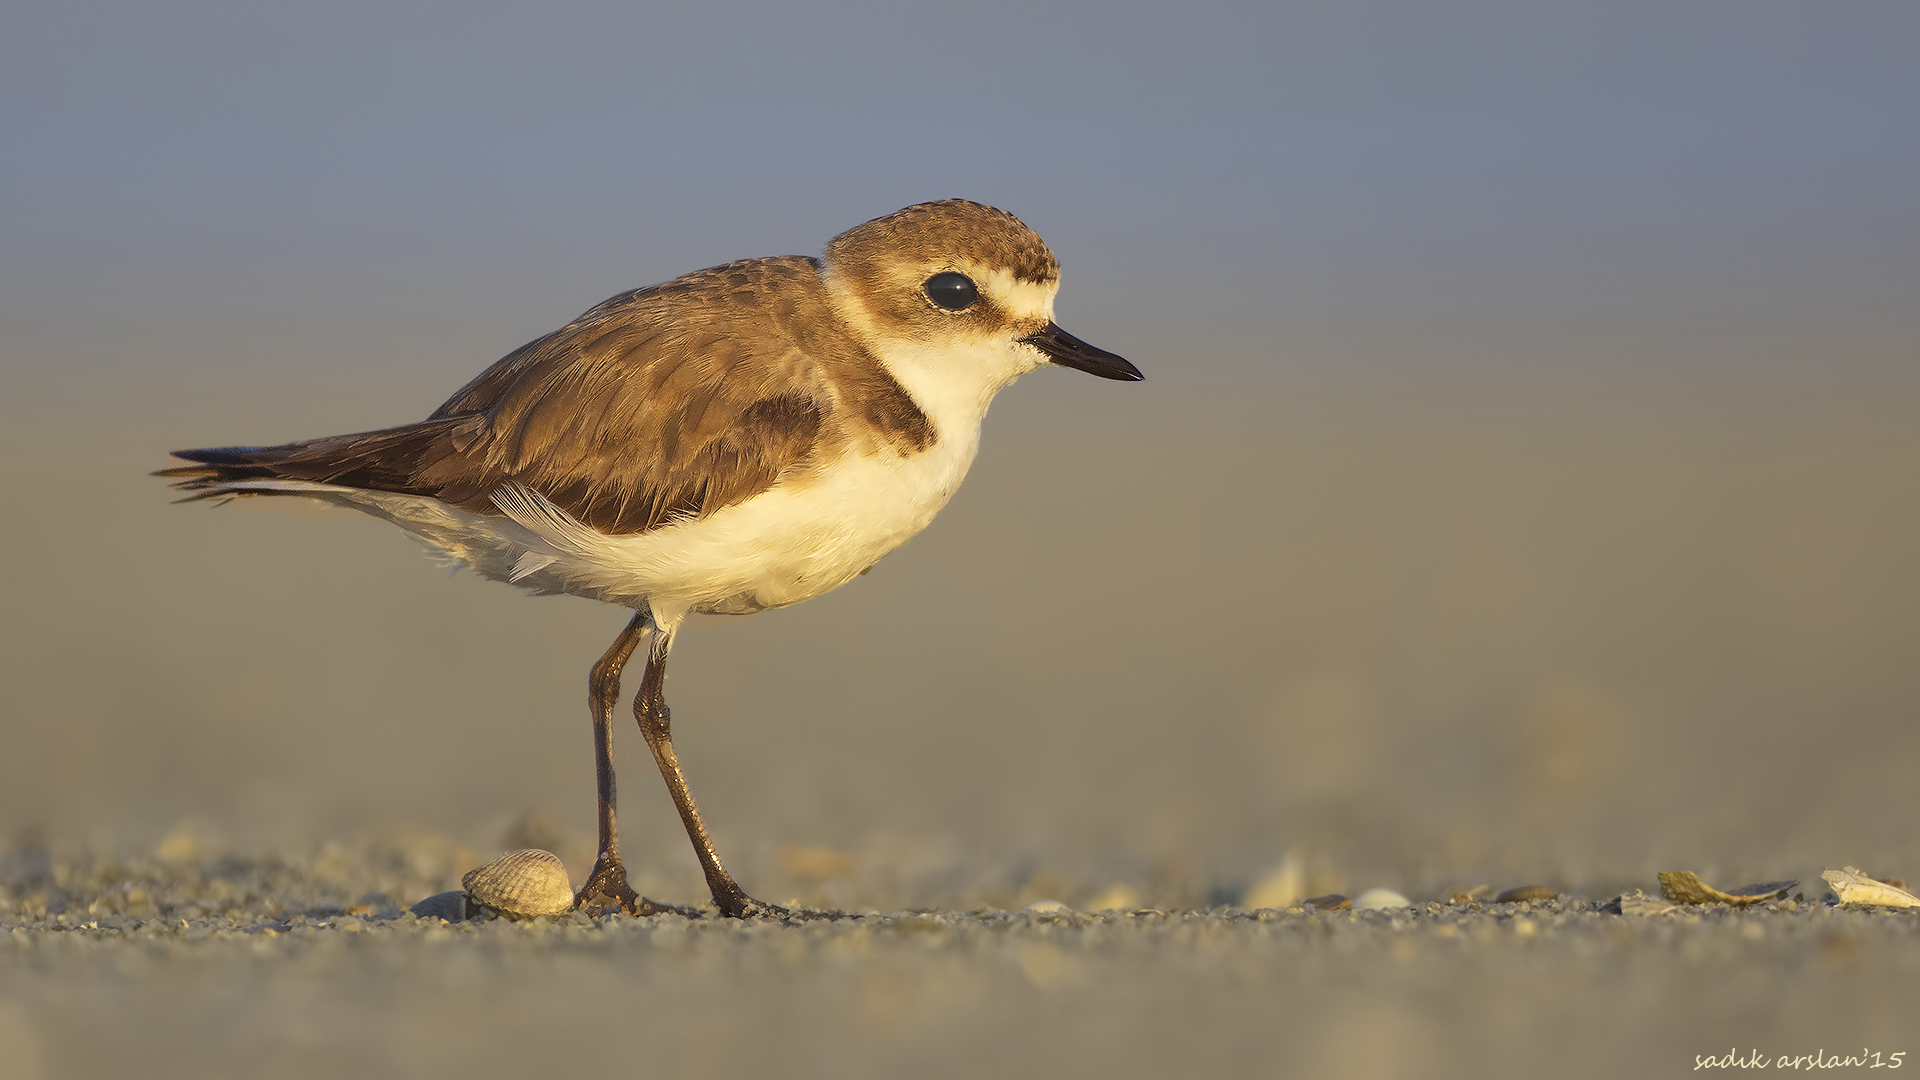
pixel 1523 488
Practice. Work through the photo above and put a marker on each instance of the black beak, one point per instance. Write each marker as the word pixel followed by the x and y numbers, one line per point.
pixel 1068 351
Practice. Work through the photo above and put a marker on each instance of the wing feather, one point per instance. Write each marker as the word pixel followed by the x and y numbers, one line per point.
pixel 656 405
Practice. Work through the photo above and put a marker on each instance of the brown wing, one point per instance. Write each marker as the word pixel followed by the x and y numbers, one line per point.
pixel 665 403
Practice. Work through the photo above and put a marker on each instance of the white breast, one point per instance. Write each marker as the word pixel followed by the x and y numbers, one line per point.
pixel 780 547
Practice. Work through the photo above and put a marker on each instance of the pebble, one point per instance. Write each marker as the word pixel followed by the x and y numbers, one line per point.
pixel 1380 900
pixel 455 906
pixel 1524 893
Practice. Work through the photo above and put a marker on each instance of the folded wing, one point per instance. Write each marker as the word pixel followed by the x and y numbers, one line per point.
pixel 663 404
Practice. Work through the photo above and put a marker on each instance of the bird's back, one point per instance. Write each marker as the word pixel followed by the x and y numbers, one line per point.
pixel 657 405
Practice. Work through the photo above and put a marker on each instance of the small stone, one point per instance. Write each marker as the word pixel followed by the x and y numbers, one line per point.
pixel 1522 894
pixel 1046 907
pixel 1329 902
pixel 454 906
pixel 1380 900
pixel 1468 895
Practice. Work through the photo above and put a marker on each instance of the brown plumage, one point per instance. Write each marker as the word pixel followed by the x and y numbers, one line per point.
pixel 657 405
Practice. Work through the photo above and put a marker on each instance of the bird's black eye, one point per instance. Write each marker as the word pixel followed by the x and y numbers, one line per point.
pixel 952 291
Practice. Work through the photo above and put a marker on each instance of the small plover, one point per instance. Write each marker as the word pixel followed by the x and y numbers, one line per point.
pixel 737 439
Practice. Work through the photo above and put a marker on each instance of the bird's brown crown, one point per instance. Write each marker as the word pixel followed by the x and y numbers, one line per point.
pixel 947 231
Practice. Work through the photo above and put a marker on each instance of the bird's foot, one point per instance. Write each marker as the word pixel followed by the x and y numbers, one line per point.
pixel 734 903
pixel 738 905
pixel 607 892
pixel 749 908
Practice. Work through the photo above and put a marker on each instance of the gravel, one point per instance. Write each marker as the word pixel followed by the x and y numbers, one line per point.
pixel 308 965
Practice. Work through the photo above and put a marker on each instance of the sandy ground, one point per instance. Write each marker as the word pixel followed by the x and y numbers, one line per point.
pixel 305 965
pixel 1410 649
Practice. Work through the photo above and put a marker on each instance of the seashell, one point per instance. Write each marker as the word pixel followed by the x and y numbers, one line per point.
pixel 1329 902
pixel 1468 895
pixel 522 884
pixel 1380 900
pixel 1685 887
pixel 1854 887
pixel 1047 907
pixel 1523 893
pixel 1638 903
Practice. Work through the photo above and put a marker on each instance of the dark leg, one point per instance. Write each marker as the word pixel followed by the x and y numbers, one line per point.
pixel 606 889
pixel 656 723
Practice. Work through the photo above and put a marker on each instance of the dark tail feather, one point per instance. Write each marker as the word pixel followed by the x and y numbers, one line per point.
pixel 219 466
pixel 389 460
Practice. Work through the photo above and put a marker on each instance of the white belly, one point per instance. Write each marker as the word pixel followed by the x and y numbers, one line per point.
pixel 780 547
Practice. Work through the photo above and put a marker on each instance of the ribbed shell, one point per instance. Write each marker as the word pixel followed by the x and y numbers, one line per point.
pixel 522 884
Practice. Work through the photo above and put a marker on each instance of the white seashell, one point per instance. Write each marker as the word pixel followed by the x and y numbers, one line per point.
pixel 521 884
pixel 1380 900
pixel 1854 887
pixel 1639 903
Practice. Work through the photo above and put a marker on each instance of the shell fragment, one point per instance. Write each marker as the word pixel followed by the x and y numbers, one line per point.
pixel 1638 903
pixel 1854 887
pixel 1685 887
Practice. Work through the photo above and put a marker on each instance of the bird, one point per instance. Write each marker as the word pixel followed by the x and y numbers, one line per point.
pixel 737 439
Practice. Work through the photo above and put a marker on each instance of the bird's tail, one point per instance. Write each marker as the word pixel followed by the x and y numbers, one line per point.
pixel 395 459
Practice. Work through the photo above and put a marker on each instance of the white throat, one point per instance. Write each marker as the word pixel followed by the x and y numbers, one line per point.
pixel 954 385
